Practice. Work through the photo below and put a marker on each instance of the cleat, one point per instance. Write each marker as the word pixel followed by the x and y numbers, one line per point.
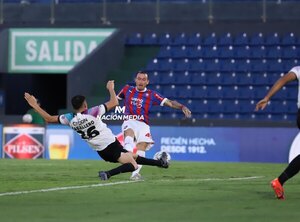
pixel 136 177
pixel 103 175
pixel 164 160
pixel 278 189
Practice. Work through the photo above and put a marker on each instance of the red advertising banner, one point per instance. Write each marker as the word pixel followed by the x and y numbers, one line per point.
pixel 23 141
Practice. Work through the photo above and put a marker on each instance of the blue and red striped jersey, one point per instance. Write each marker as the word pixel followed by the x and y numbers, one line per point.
pixel 140 102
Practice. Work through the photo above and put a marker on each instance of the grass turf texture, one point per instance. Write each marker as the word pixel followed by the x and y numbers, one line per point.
pixel 176 194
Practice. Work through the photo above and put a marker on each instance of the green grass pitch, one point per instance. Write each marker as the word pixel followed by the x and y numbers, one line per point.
pixel 187 191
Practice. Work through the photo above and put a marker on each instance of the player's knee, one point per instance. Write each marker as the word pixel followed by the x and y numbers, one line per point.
pixel 129 132
pixel 142 146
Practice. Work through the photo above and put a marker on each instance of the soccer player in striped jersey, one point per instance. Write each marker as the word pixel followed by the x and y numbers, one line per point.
pixel 138 101
pixel 294 166
pixel 88 124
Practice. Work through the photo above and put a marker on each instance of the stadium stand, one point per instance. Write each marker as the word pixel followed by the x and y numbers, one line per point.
pixel 222 76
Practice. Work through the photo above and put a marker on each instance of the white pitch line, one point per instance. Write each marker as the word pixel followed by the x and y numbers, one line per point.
pixel 216 179
pixel 64 188
pixel 124 182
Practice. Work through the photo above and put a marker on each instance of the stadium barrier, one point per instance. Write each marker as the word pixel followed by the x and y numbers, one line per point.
pixel 212 144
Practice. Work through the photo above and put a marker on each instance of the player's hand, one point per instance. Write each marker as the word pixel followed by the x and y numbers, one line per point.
pixel 30 99
pixel 261 105
pixel 110 84
pixel 186 112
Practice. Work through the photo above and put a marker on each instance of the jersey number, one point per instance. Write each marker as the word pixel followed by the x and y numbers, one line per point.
pixel 90 133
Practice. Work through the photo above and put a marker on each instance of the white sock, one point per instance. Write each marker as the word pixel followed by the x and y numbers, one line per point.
pixel 129 143
pixel 142 154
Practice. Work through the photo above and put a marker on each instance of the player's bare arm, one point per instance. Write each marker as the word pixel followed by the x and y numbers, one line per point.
pixel 176 105
pixel 275 88
pixel 113 101
pixel 31 100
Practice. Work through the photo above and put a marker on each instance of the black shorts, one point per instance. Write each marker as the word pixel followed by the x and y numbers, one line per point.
pixel 112 152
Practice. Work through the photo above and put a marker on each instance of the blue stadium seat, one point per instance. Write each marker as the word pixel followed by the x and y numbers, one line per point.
pixel 257 40
pixel 211 53
pixel 289 39
pixel 198 65
pixel 167 78
pixel 228 66
pixel 230 92
pixel 210 40
pixel 241 39
pixel 199 92
pixel 179 52
pixel 212 66
pixel 165 39
pixel 214 79
pixel 196 52
pixel 257 52
pixel 243 66
pixel 246 92
pixel 242 52
pixel 180 39
pixel 134 39
pixel 226 52
pixel 290 52
pixel 181 65
pixel 259 66
pixel 245 79
pixel 199 78
pixel 225 40
pixel 194 39
pixel 169 91
pixel 155 78
pixel 229 79
pixel 150 39
pixel 273 52
pixel 165 52
pixel 183 78
pixel 230 106
pixel 184 91
pixel 272 39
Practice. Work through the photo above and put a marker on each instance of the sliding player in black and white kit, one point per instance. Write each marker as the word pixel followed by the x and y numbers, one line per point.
pixel 88 124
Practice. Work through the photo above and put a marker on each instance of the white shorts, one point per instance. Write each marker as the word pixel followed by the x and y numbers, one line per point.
pixel 141 131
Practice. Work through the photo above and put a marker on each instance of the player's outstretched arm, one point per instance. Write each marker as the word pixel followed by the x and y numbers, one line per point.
pixel 275 88
pixel 113 101
pixel 31 100
pixel 176 105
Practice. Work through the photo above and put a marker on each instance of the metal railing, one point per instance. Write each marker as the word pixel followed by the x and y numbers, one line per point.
pixel 160 10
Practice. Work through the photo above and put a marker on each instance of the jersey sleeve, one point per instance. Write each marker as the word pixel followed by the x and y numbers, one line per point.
pixel 64 119
pixel 296 70
pixel 121 94
pixel 158 99
pixel 97 110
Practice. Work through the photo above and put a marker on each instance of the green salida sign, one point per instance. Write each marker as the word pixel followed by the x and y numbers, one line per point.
pixel 51 50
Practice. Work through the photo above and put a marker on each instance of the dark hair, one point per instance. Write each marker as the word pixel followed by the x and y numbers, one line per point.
pixel 77 101
pixel 142 72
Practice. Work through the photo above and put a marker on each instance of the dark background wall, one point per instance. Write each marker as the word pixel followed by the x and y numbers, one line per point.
pixel 235 17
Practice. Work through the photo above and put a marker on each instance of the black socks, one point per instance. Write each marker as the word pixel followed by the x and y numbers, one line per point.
pixel 127 167
pixel 291 170
pixel 145 161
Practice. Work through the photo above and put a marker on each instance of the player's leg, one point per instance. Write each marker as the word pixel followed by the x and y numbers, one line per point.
pixel 129 139
pixel 115 153
pixel 292 169
pixel 162 162
pixel 129 134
